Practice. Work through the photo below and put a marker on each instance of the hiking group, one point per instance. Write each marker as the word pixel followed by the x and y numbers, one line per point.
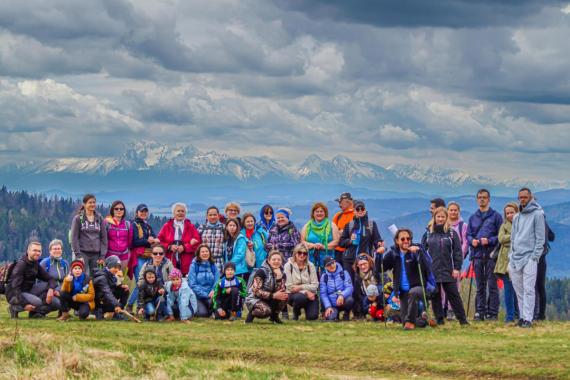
pixel 332 266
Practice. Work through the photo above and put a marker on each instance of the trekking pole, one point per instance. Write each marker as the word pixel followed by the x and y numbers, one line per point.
pixel 431 322
pixel 383 298
pixel 470 285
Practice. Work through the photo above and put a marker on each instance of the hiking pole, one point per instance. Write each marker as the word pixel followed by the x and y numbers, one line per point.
pixel 157 308
pixel 470 287
pixel 431 322
pixel 130 316
pixel 383 298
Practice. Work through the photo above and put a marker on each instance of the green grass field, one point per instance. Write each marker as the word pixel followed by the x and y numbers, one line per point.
pixel 48 349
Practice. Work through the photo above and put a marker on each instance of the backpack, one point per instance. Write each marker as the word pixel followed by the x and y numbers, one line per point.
pixel 326 278
pixel 5 273
pixel 370 225
pixel 63 264
pixel 308 269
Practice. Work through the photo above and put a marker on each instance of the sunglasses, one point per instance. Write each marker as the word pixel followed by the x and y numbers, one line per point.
pixel 405 239
pixel 360 209
pixel 157 253
pixel 119 209
pixel 268 212
pixel 302 253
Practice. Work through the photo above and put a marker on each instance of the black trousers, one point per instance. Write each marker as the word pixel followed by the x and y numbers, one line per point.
pixel 122 295
pixel 409 304
pixel 68 303
pixel 540 289
pixel 300 301
pixel 487 298
pixel 452 294
pixel 229 303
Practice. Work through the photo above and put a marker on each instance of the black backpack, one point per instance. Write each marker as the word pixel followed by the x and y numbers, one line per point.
pixel 5 273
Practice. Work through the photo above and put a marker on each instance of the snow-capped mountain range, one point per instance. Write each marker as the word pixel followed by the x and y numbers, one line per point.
pixel 152 157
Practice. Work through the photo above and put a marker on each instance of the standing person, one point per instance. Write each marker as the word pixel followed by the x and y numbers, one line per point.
pixel 212 234
pixel 180 238
pixel 365 276
pixel 302 284
pixel 266 219
pixel 255 238
pixel 320 235
pixel 232 211
pixel 284 236
pixel 482 233
pixel 502 266
pixel 528 237
pixel 335 291
pixel 444 247
pixel 434 204
pixel 267 295
pixel 118 234
pixel 236 247
pixel 77 292
pixel 24 293
pixel 229 293
pixel 55 264
pixel 89 235
pixel 342 218
pixel 402 259
pixel 180 299
pixel 202 279
pixel 361 235
pixel 110 295
pixel 460 227
pixel 143 238
pixel 525 196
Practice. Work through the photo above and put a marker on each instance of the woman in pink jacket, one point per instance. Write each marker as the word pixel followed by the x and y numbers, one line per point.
pixel 118 234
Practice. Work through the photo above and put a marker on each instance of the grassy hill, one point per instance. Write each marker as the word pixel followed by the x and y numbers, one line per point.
pixel 48 349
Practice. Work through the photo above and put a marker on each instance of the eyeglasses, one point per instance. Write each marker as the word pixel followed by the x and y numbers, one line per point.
pixel 232 210
pixel 119 209
pixel 360 209
pixel 362 264
pixel 157 253
pixel 405 239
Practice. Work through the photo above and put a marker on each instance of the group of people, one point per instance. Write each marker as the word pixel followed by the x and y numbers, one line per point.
pixel 331 266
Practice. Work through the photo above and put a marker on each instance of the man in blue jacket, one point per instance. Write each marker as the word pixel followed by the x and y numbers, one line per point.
pixel 336 290
pixel 482 234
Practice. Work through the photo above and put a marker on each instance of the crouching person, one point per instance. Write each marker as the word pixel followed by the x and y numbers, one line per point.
pixel 180 300
pixel 266 295
pixel 110 296
pixel 77 292
pixel 302 284
pixel 22 290
pixel 150 298
pixel 229 293
pixel 336 291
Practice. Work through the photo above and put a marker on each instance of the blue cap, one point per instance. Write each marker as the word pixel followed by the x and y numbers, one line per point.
pixel 141 207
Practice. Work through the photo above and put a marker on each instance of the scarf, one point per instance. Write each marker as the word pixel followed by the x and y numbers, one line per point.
pixel 214 225
pixel 178 229
pixel 367 278
pixel 78 284
pixel 249 233
pixel 322 230
pixel 175 288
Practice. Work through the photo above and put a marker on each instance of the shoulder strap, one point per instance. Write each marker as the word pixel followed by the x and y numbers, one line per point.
pixel 342 275
pixel 350 226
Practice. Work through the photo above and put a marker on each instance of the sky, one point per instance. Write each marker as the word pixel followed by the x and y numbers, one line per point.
pixel 481 86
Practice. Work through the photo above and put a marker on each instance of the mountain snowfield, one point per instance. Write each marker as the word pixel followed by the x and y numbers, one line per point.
pixel 187 159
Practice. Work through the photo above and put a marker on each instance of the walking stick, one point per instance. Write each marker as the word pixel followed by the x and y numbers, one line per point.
pixel 431 322
pixel 470 286
pixel 130 316
pixel 383 298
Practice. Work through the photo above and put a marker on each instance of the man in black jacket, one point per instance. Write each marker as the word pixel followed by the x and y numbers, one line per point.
pixel 110 297
pixel 22 291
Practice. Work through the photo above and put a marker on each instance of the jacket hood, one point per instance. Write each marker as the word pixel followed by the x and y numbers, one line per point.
pixel 531 207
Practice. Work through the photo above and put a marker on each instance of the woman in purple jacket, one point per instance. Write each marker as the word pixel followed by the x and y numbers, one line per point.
pixel 283 236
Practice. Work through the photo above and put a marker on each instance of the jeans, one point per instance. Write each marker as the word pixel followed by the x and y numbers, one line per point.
pixel 135 294
pixel 509 299
pixel 150 308
pixel 346 307
pixel 204 307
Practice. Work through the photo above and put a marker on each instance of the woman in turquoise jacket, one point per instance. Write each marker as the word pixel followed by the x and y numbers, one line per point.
pixel 256 238
pixel 235 248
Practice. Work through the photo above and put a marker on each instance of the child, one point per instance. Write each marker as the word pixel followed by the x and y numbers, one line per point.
pixel 229 293
pixel 77 292
pixel 150 295
pixel 392 308
pixel 180 300
pixel 376 311
pixel 110 296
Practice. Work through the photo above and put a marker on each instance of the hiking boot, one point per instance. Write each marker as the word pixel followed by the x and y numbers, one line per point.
pixel 478 318
pixel 346 316
pixel 526 325
pixel 441 321
pixel 170 318
pixel 492 318
pixel 464 323
pixel 129 308
pixel 234 316
pixel 64 317
pixel 520 322
pixel 34 315
pixel 409 326
pixel 249 318
pixel 451 315
pixel 285 315
pixel 296 316
pixel 275 319
pixel 12 312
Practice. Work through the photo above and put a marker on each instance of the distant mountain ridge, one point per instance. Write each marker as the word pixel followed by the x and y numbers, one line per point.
pixel 151 157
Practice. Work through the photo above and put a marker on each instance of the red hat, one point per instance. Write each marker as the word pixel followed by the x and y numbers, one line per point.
pixel 77 263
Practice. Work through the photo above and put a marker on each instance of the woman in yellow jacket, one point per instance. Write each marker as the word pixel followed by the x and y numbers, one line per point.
pixel 77 292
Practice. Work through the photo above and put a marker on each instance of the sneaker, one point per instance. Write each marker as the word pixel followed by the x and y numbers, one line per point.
pixel 285 315
pixel 64 317
pixel 451 315
pixel 170 318
pixel 346 316
pixel 296 316
pixel 249 318
pixel 464 323
pixel 409 326
pixel 234 316
pixel 478 318
pixel 441 321
pixel 526 325
pixel 12 312
pixel 36 315
pixel 492 318
pixel 520 322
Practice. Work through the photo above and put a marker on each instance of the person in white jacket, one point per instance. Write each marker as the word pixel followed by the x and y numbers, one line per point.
pixel 527 245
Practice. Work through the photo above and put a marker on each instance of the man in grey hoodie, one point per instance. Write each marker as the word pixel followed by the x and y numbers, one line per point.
pixel 527 245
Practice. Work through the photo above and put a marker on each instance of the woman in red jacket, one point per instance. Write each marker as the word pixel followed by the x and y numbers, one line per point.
pixel 179 238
